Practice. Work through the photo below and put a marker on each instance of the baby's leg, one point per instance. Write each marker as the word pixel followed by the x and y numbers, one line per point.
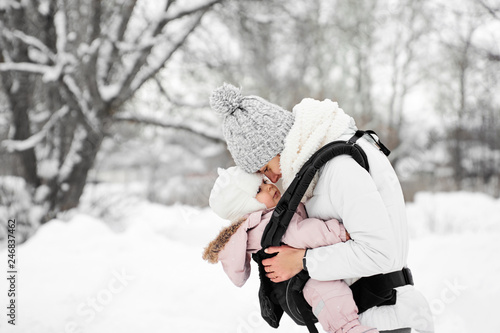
pixel 333 305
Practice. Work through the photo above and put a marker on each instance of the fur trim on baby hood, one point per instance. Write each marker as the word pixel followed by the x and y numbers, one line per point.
pixel 211 252
pixel 316 124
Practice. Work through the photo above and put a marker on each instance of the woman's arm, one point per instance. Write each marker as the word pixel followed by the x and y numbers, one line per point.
pixel 372 249
pixel 355 197
pixel 302 234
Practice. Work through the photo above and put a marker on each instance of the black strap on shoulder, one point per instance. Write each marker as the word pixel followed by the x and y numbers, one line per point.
pixel 290 200
pixel 280 220
pixel 380 145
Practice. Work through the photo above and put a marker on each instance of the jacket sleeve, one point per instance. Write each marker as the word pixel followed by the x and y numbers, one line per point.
pixel 235 259
pixel 354 195
pixel 308 233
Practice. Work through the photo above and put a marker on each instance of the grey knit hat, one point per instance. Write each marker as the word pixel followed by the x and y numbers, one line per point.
pixel 255 129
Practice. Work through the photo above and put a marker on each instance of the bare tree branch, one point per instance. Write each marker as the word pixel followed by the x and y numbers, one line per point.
pixel 84 109
pixel 90 72
pixel 493 11
pixel 493 56
pixel 96 12
pixel 192 128
pixel 132 82
pixel 32 141
pixel 154 68
pixel 84 50
pixel 128 8
pixel 117 37
pixel 175 101
pixel 175 16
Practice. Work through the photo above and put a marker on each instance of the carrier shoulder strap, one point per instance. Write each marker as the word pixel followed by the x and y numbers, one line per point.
pixel 290 200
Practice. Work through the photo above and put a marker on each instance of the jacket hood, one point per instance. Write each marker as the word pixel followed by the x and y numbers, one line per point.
pixel 249 221
pixel 211 251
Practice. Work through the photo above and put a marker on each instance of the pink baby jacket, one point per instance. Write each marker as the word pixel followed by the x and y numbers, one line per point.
pixel 303 232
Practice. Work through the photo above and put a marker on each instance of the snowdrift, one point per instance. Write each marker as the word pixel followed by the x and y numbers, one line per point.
pixel 84 276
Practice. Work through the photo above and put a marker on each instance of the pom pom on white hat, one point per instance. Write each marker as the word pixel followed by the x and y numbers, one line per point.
pixel 233 194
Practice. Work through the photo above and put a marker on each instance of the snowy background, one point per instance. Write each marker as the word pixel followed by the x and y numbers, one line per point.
pixel 145 272
pixel 110 99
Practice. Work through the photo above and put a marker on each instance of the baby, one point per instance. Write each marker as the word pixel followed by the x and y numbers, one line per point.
pixel 248 201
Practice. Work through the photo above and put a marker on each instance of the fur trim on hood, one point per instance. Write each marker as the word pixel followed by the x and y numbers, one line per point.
pixel 211 252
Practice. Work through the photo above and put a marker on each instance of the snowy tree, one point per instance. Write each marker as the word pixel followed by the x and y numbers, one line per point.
pixel 365 54
pixel 67 67
pixel 468 96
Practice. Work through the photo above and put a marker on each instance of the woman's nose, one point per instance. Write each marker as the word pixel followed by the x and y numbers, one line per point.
pixel 273 177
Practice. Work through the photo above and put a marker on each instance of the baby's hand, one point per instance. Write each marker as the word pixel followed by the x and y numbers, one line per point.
pixel 347 236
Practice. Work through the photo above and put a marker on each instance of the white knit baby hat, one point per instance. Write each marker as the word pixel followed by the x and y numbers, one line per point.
pixel 233 194
pixel 255 129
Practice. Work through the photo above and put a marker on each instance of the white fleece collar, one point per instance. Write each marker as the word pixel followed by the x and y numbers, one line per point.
pixel 316 124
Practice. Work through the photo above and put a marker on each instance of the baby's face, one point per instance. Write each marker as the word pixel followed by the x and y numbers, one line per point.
pixel 268 194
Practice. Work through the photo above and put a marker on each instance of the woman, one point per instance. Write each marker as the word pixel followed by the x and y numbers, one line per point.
pixel 262 137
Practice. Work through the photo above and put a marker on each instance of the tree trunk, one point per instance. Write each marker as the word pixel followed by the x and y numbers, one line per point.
pixel 58 67
pixel 20 102
pixel 20 87
pixel 71 189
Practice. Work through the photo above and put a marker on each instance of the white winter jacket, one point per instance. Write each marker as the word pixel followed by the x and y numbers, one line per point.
pixel 372 208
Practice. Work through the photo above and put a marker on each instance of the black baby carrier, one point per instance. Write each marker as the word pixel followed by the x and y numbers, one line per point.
pixel 286 296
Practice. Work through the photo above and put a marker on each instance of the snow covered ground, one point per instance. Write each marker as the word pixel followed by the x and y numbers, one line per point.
pixel 87 275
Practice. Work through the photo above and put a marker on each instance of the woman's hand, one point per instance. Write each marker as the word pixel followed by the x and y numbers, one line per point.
pixel 286 264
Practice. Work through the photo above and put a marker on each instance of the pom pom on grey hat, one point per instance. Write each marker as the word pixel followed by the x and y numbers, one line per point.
pixel 254 129
pixel 226 99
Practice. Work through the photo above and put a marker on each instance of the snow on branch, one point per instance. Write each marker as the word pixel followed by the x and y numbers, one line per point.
pixel 30 41
pixel 50 73
pixel 74 155
pixel 6 4
pixel 63 58
pixel 194 128
pixel 138 70
pixel 60 27
pixel 83 103
pixel 25 67
pixel 126 13
pixel 32 141
pixel 91 74
pixel 115 33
